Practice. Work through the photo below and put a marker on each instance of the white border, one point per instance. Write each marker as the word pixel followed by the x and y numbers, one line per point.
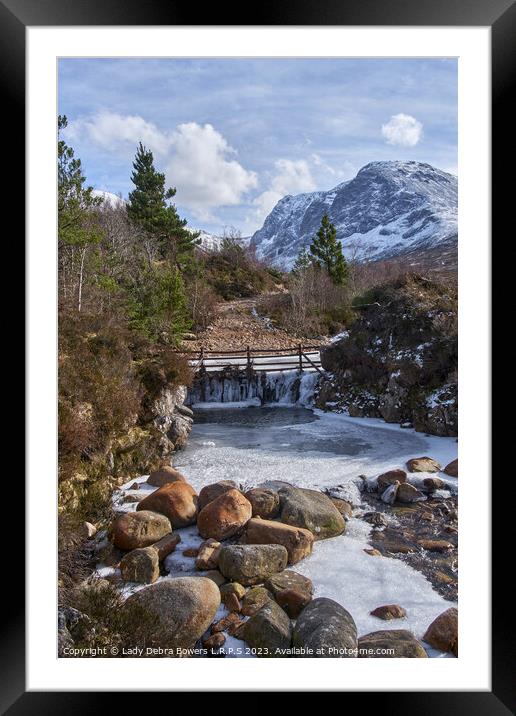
pixel 472 669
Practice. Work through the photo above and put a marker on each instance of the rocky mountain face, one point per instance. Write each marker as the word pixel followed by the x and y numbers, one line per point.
pixel 398 360
pixel 388 209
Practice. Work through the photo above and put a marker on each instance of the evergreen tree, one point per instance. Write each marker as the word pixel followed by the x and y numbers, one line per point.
pixel 75 201
pixel 148 207
pixel 303 262
pixel 327 252
pixel 78 228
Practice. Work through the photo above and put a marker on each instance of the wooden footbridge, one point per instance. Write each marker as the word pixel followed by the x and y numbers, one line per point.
pixel 249 360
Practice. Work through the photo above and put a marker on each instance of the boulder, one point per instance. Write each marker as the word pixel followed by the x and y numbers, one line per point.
pixel 139 529
pixel 408 493
pixel 181 610
pixel 164 476
pixel 166 545
pixel 297 541
pixel 292 601
pixel 389 478
pixel 443 632
pixel 289 580
pixel 232 603
pixel 311 510
pixel 231 594
pixel 431 484
pixel 265 503
pixel 269 631
pixel 210 492
pixel 345 508
pixel 390 644
pixel 232 588
pixel 452 468
pixel 175 500
pixel 254 600
pixel 224 516
pixel 252 563
pixel 208 555
pixel 141 565
pixel 423 464
pixel 389 611
pixel 325 629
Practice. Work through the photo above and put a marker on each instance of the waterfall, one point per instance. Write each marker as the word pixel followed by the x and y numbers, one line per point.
pixel 289 387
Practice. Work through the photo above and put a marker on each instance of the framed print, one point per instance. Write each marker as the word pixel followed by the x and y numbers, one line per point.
pixel 258 263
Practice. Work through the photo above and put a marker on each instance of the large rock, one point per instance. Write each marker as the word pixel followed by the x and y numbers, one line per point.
pixel 252 563
pixel 254 599
pixel 452 468
pixel 176 500
pixel 164 475
pixel 211 492
pixel 423 464
pixel 265 503
pixel 224 516
pixel 325 629
pixel 389 611
pixel 297 541
pixel 139 529
pixel 269 631
pixel 431 484
pixel 407 493
pixel 181 610
pixel 311 510
pixel 443 632
pixel 390 644
pixel 288 579
pixel 208 555
pixel 141 565
pixel 389 478
pixel 166 545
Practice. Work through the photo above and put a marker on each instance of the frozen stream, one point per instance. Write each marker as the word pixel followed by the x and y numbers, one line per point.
pixel 252 445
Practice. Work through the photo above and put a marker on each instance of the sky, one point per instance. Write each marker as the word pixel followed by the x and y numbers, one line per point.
pixel 236 135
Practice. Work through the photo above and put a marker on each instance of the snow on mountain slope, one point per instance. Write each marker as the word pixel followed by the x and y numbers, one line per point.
pixel 109 198
pixel 388 209
pixel 213 242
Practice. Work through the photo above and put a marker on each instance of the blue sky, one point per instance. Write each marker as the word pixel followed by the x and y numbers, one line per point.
pixel 235 135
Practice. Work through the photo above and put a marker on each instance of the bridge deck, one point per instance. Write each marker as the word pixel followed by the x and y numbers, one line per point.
pixel 307 358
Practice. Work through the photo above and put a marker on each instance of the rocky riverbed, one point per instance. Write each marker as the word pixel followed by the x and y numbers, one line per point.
pixel 288 532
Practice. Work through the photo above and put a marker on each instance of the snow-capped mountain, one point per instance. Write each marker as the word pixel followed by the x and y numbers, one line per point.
pixel 109 198
pixel 213 242
pixel 389 208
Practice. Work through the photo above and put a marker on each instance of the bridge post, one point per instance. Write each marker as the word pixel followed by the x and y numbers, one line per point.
pixel 249 367
pixel 300 357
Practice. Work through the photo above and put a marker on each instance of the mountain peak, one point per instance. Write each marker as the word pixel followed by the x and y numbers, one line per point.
pixel 389 208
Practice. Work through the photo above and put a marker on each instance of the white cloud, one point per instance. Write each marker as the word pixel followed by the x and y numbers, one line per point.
pixel 110 130
pixel 292 177
pixel 197 158
pixel 203 167
pixel 402 129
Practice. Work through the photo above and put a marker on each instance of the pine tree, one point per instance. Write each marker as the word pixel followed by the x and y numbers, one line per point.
pixel 148 207
pixel 77 227
pixel 327 252
pixel 303 262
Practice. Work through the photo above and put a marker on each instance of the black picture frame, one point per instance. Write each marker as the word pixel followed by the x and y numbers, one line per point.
pixel 500 16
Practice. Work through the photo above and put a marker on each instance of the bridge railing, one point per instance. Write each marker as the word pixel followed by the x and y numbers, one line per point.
pixel 256 359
